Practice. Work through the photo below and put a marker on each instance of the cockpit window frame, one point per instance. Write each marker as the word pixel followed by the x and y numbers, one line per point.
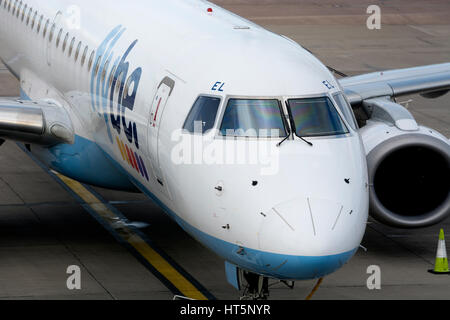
pixel 219 110
pixel 344 118
pixel 224 100
pixel 328 95
pixel 223 108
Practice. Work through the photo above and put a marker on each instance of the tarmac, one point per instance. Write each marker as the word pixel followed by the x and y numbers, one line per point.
pixel 45 227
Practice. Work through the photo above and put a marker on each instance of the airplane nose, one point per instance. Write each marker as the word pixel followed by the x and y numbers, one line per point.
pixel 314 236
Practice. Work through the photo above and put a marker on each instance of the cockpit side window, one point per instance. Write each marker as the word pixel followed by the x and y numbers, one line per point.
pixel 346 109
pixel 253 118
pixel 203 115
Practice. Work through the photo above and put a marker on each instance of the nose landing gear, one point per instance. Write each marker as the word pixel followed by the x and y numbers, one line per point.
pixel 252 285
pixel 257 287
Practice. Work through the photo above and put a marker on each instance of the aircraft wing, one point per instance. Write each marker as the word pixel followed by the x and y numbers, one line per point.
pixel 431 81
pixel 35 122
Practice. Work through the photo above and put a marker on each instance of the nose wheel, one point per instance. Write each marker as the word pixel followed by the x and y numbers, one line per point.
pixel 257 287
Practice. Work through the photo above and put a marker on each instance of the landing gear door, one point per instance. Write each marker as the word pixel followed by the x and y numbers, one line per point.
pixel 159 102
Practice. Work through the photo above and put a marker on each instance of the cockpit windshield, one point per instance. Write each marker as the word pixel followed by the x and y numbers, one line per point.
pixel 253 118
pixel 314 117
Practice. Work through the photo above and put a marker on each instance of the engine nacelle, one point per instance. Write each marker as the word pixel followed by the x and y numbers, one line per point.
pixel 409 168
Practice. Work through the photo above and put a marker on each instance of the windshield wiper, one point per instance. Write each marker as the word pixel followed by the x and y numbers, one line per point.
pixel 294 129
pixel 308 142
pixel 281 142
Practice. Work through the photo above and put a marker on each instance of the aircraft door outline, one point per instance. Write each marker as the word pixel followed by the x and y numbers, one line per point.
pixel 157 108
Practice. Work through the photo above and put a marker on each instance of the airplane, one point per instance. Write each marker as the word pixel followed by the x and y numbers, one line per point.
pixel 169 98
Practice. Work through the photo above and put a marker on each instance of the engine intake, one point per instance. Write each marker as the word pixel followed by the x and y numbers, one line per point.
pixel 409 177
pixel 409 167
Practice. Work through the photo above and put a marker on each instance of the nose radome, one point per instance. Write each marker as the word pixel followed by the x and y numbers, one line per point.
pixel 308 226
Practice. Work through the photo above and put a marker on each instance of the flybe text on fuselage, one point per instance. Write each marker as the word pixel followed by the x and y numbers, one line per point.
pixel 121 94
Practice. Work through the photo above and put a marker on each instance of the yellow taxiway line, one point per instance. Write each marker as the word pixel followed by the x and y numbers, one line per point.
pixel 158 262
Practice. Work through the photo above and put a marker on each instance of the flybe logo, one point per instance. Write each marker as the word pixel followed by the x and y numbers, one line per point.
pixel 114 87
pixel 132 158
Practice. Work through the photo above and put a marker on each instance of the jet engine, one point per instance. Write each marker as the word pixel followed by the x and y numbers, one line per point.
pixel 409 167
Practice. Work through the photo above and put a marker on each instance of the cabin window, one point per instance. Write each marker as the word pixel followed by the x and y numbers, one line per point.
pixel 65 42
pixel 91 60
pixel 40 23
pixel 46 27
pixel 105 67
pixel 24 12
pixel 77 53
pixel 118 82
pixel 71 46
pixel 111 76
pixel 97 65
pixel 18 9
pixel 203 115
pixel 52 32
pixel 83 58
pixel 58 39
pixel 29 16
pixel 34 20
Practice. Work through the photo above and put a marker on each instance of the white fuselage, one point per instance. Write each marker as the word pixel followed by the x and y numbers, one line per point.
pixel 128 73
